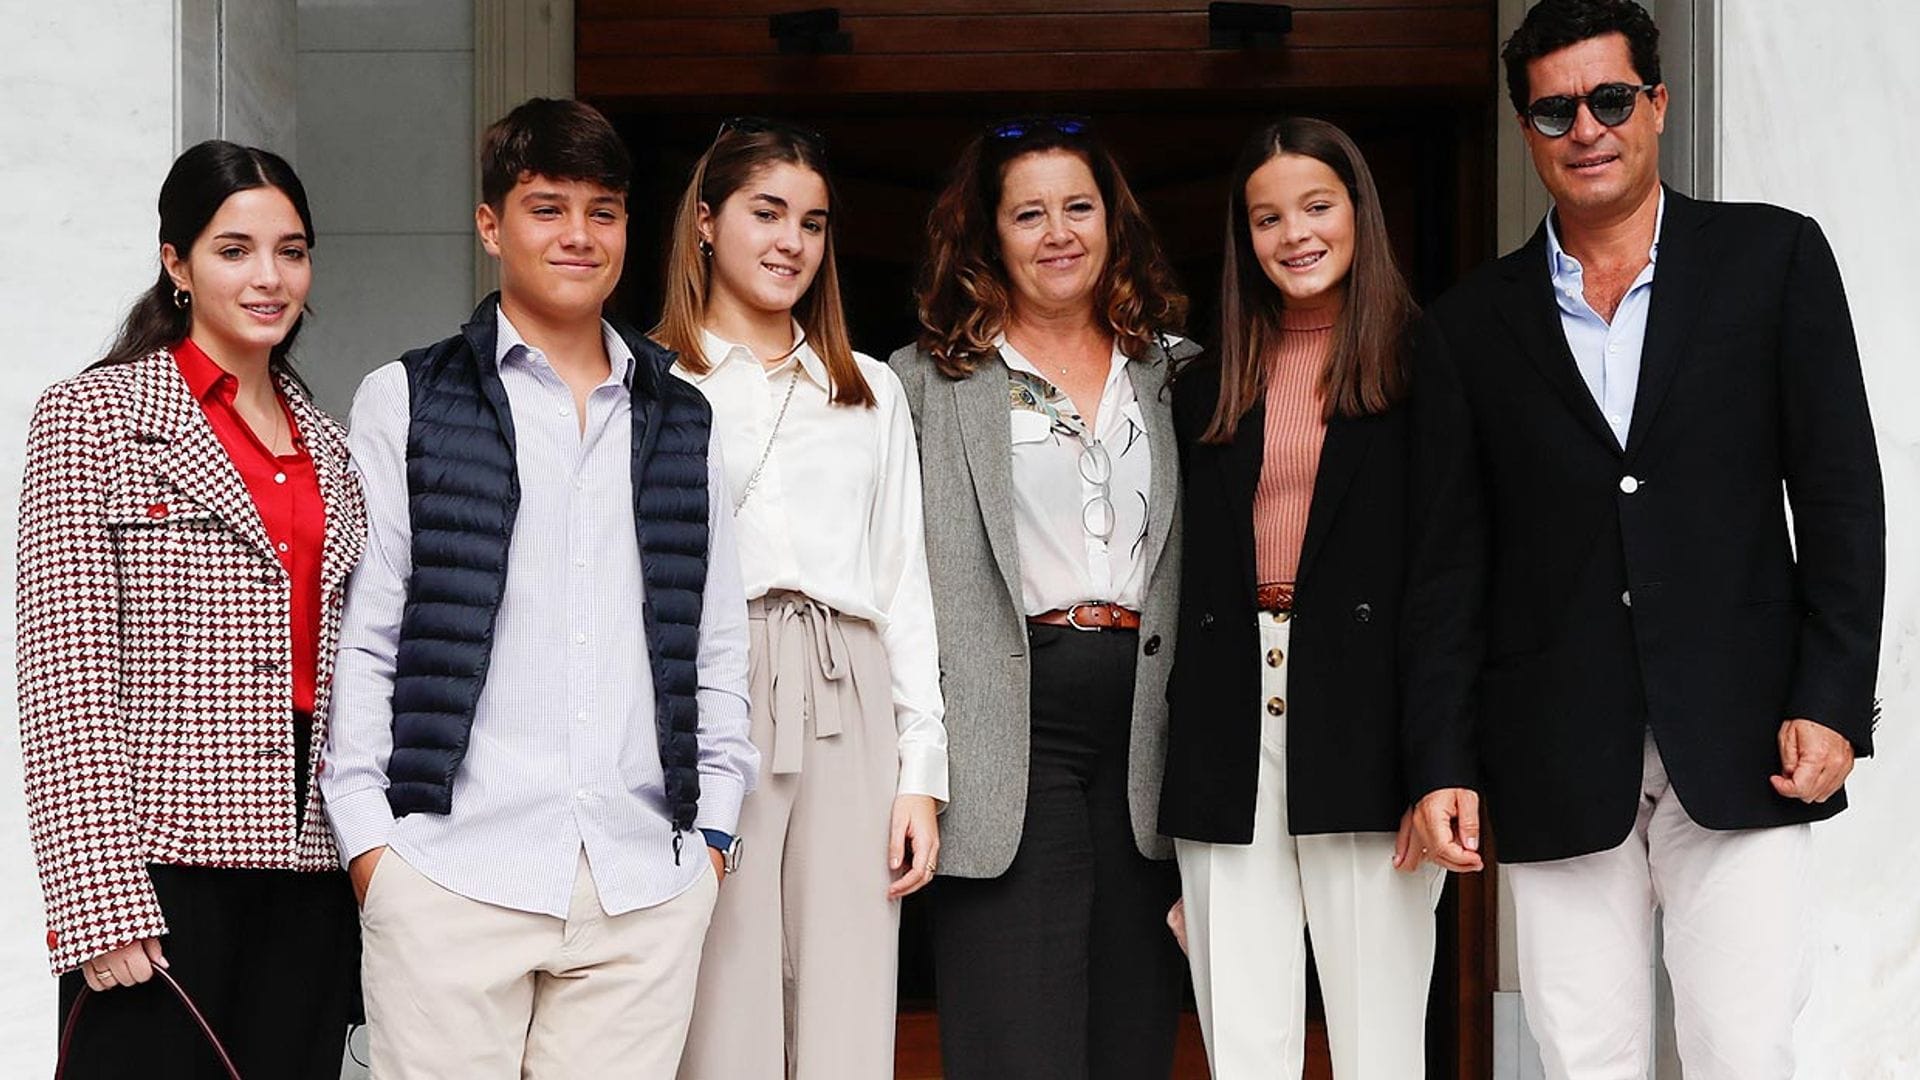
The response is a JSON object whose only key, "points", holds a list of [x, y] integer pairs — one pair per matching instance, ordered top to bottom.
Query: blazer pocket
{"points": [[138, 505]]}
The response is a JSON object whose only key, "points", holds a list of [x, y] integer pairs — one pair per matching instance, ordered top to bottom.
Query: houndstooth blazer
{"points": [[155, 659]]}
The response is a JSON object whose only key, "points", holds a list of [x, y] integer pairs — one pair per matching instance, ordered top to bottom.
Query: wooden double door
{"points": [[1411, 80]]}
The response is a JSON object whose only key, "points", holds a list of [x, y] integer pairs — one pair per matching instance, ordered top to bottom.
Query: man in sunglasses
{"points": [[1619, 640]]}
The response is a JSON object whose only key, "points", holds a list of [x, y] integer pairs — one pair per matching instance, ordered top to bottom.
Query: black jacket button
{"points": [[1363, 613], [1206, 619], [1152, 646]]}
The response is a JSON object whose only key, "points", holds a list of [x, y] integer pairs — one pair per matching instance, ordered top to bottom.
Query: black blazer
{"points": [[1564, 595], [1343, 765]]}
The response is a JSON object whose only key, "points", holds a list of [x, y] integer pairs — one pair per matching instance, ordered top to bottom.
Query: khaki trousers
{"points": [[1736, 907], [1250, 908], [799, 971], [457, 989]]}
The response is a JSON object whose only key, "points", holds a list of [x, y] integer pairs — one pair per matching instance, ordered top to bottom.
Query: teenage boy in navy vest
{"points": [[539, 736]]}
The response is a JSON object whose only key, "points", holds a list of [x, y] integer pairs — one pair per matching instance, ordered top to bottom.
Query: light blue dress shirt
{"points": [[1607, 354], [563, 753]]}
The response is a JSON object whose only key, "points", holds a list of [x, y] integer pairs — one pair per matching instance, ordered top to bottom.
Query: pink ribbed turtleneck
{"points": [[1295, 428]]}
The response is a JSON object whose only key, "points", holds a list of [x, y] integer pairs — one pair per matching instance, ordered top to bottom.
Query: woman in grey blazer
{"points": [[1049, 471]]}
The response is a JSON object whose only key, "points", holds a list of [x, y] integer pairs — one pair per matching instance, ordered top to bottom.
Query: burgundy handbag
{"points": [[80, 1002]]}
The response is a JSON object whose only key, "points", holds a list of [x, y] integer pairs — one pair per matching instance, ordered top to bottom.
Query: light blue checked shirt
{"points": [[1608, 354], [563, 753]]}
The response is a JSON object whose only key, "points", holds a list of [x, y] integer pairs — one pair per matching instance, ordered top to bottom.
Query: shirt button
{"points": [[1614, 419], [279, 478], [1629, 484], [281, 546], [580, 563], [579, 639], [1274, 657], [1276, 706], [580, 717], [582, 795]]}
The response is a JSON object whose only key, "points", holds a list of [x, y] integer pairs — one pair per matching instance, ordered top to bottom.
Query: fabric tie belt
{"points": [[812, 670]]}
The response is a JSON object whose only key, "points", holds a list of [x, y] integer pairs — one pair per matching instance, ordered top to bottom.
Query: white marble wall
{"points": [[99, 95], [1817, 106], [89, 123], [386, 152]]}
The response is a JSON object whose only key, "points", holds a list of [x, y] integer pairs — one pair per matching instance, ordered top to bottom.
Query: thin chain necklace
{"points": [[746, 492]]}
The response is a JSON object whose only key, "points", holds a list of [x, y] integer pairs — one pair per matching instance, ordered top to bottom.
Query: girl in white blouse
{"points": [[799, 969]]}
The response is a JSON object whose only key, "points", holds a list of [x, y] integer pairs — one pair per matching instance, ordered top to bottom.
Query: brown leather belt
{"points": [[1276, 598], [1091, 617]]}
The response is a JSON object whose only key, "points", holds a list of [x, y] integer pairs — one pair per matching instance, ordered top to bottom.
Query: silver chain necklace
{"points": [[793, 380]]}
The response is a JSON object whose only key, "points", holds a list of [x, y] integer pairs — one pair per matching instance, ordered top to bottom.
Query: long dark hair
{"points": [[738, 153], [200, 181], [964, 293], [1366, 371]]}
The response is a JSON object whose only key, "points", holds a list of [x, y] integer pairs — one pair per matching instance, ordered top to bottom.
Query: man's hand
{"points": [[1814, 761], [916, 823], [1446, 823], [1406, 845], [719, 862], [360, 872], [1177, 922], [124, 966]]}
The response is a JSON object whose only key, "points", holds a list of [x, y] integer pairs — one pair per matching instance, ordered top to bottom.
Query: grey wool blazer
{"points": [[966, 470]]}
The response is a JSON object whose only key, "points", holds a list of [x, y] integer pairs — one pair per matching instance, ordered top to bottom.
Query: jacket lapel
{"points": [[1678, 280], [1530, 310], [986, 436], [188, 455], [1341, 456], [1163, 467], [345, 529]]}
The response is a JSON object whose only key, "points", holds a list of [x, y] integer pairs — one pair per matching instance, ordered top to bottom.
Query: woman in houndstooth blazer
{"points": [[187, 524]]}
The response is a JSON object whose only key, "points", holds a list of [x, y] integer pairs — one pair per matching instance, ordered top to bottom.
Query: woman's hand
{"points": [[916, 823], [1406, 845], [1177, 922], [124, 966]]}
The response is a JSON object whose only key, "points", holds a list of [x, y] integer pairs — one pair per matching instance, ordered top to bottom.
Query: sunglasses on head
{"points": [[1610, 103], [755, 125], [1022, 126]]}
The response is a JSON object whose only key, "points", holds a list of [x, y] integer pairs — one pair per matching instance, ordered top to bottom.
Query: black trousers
{"points": [[272, 957], [1063, 967]]}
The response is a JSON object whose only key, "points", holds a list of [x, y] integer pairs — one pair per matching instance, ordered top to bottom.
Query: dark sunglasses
{"points": [[1610, 103], [755, 125], [1022, 126]]}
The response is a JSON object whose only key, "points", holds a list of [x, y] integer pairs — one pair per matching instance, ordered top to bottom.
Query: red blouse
{"points": [[285, 490]]}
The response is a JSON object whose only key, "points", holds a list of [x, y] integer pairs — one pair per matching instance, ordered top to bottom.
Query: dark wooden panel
{"points": [[608, 9], [889, 34], [600, 77]]}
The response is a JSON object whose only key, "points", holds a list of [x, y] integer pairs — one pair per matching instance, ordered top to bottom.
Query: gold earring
{"points": [[182, 298]]}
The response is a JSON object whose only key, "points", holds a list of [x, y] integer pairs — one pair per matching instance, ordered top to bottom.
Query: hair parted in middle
{"points": [[738, 154], [964, 294], [1366, 370]]}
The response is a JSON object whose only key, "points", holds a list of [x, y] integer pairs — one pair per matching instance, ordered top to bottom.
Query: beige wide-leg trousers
{"points": [[1736, 906], [1249, 908], [798, 975], [457, 989]]}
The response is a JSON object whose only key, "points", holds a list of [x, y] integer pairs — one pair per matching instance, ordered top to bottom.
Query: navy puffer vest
{"points": [[462, 494]]}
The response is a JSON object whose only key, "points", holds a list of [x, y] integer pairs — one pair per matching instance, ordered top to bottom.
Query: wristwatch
{"points": [[728, 845]]}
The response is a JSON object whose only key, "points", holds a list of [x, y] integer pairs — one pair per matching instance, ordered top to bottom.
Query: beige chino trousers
{"points": [[798, 975], [457, 989]]}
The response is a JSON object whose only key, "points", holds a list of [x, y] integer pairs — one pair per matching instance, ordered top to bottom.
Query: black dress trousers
{"points": [[272, 957], [1063, 968]]}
